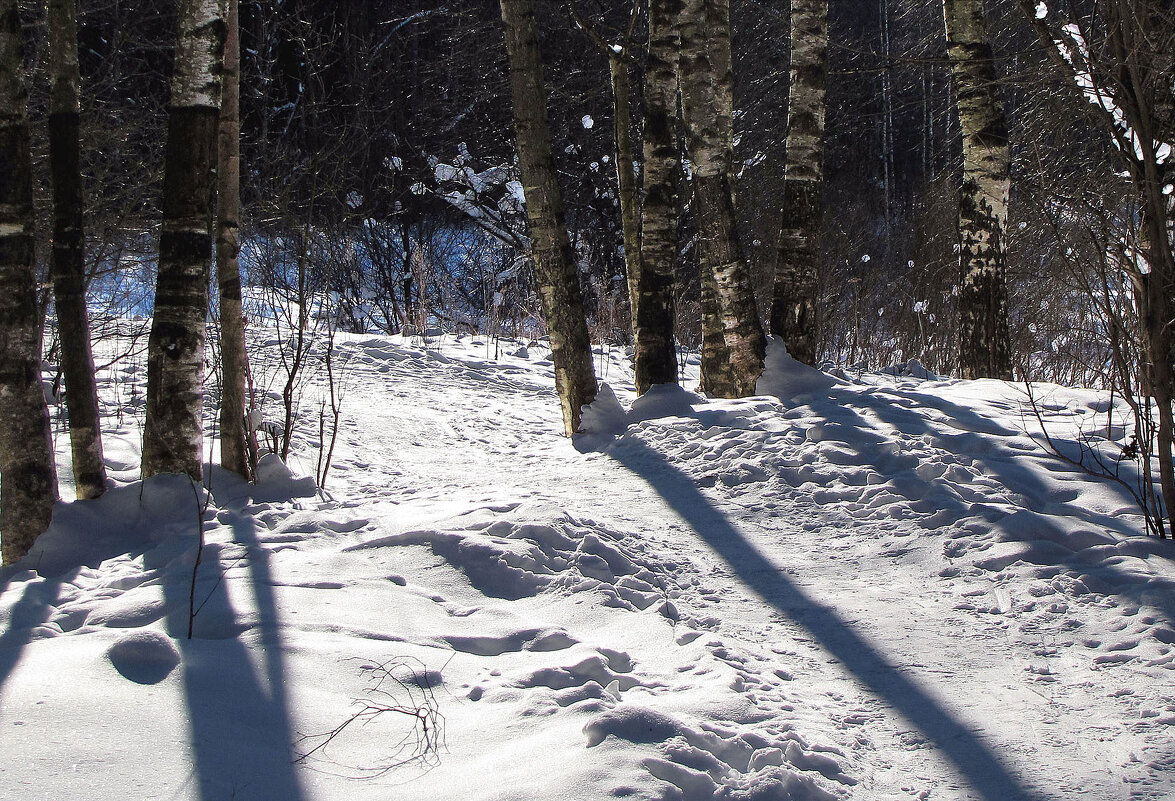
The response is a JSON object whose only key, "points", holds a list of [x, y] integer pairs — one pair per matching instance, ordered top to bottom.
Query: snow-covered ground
{"points": [[865, 587]]}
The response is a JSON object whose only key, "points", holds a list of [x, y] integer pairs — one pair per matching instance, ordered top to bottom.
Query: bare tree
{"points": [[1120, 55], [69, 258], [649, 264], [558, 278], [793, 308], [730, 316], [984, 347], [656, 357], [233, 433], [172, 434], [28, 480]]}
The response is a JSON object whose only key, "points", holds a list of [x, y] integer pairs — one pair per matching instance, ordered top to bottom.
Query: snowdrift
{"points": [[870, 587]]}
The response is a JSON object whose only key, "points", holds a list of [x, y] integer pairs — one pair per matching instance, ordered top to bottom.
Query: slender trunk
{"points": [[707, 94], [887, 166], [630, 213], [69, 261], [556, 272], [793, 308], [1156, 308], [984, 347], [656, 357], [233, 431], [172, 434], [28, 480]]}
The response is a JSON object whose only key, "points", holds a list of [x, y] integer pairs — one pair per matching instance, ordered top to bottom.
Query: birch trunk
{"points": [[707, 98], [68, 261], [556, 273], [793, 307], [984, 348], [656, 356], [172, 434], [233, 447], [28, 480]]}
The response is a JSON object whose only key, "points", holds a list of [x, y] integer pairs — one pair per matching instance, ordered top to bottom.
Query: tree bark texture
{"points": [[707, 83], [626, 179], [68, 260], [556, 272], [793, 307], [1156, 307], [653, 315], [984, 348], [172, 434], [233, 434], [28, 480]]}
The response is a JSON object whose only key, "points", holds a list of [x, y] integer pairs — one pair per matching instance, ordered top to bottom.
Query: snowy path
{"points": [[880, 590], [948, 699]]}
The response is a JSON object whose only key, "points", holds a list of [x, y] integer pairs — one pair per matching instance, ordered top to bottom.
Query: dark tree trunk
{"points": [[707, 97], [630, 212], [69, 261], [556, 273], [793, 305], [793, 308], [1156, 312], [984, 347], [656, 355], [716, 374], [172, 434], [234, 450], [28, 480]]}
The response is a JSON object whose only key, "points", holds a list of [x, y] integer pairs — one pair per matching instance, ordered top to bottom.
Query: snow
{"points": [[875, 586]]}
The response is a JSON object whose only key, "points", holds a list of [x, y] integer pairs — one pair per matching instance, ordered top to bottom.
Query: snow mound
{"points": [[910, 369], [787, 379], [665, 400], [605, 415], [276, 481], [128, 518], [525, 556], [144, 657], [706, 765]]}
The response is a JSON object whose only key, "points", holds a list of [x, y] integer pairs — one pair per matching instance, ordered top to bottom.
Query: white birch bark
{"points": [[984, 347], [173, 434], [28, 480]]}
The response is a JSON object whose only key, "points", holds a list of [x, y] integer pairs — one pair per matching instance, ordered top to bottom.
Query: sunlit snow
{"points": [[868, 585]]}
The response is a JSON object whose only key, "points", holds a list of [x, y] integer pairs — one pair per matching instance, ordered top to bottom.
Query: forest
{"points": [[429, 281]]}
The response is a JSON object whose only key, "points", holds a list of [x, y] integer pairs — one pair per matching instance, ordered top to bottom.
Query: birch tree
{"points": [[68, 260], [555, 269], [793, 307], [733, 342], [984, 347], [656, 356], [172, 434], [233, 435], [28, 480]]}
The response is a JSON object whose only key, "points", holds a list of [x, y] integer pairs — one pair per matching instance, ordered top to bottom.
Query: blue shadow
{"points": [[239, 723], [963, 746]]}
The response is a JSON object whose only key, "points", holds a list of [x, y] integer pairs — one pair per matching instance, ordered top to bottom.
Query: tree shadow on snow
{"points": [[1022, 475], [35, 607], [238, 712], [991, 778]]}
